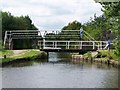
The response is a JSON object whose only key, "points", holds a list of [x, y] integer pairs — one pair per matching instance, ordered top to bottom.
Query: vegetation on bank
{"points": [[6, 52], [28, 54], [103, 54], [109, 55], [99, 57]]}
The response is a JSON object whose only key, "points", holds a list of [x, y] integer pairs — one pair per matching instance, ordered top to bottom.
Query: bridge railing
{"points": [[25, 34], [67, 39], [50, 44]]}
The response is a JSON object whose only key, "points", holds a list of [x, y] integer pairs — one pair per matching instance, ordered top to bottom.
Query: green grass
{"points": [[6, 52], [28, 54], [88, 54], [106, 54]]}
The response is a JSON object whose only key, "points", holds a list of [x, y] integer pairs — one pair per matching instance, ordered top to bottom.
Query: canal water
{"points": [[60, 73]]}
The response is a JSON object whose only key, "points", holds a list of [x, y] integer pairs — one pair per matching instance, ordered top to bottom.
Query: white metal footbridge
{"points": [[53, 40]]}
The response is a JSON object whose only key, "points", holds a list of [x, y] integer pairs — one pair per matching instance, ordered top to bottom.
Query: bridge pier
{"points": [[47, 54]]}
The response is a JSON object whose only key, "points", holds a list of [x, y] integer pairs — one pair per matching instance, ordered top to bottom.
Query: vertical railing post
{"points": [[5, 38], [9, 40], [43, 42], [9, 44], [39, 44], [55, 44], [68, 44], [81, 45], [93, 45], [101, 45], [98, 46]]}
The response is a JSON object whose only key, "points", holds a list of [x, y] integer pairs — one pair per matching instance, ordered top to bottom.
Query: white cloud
{"points": [[53, 14]]}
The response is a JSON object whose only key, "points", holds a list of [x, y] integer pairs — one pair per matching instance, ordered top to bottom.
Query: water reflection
{"points": [[60, 75]]}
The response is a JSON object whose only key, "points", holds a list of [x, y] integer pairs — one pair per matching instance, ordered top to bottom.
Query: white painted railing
{"points": [[63, 44], [71, 44]]}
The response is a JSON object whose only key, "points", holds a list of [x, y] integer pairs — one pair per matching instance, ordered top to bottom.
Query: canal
{"points": [[60, 73]]}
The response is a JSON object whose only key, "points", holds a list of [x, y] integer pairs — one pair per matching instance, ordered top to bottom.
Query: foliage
{"points": [[112, 12], [10, 22], [75, 25], [103, 27], [98, 28], [68, 32], [6, 52], [106, 53]]}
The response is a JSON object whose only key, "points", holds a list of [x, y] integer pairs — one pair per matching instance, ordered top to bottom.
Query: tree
{"points": [[112, 12], [10, 22], [71, 35]]}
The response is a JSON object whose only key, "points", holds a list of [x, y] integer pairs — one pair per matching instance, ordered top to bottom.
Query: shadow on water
{"points": [[59, 57], [23, 63]]}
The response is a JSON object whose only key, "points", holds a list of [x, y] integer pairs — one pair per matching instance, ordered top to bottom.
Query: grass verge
{"points": [[30, 54], [107, 54]]}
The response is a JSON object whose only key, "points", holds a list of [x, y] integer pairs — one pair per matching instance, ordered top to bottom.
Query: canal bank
{"points": [[20, 56], [101, 56]]}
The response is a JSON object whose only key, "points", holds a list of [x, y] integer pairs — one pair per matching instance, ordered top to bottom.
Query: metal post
{"points": [[5, 38], [10, 40], [43, 42], [9, 44], [39, 44], [53, 44], [56, 44], [68, 44], [81, 45], [93, 45], [101, 45], [98, 46]]}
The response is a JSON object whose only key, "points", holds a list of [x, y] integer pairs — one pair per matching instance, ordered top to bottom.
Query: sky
{"points": [[53, 14]]}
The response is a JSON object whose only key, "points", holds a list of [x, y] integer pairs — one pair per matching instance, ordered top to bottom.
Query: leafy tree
{"points": [[112, 12], [10, 22], [75, 25], [98, 28], [67, 34]]}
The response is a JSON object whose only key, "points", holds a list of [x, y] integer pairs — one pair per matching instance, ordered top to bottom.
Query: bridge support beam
{"points": [[47, 56]]}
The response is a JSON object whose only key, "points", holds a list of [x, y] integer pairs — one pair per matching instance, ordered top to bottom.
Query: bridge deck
{"points": [[68, 50]]}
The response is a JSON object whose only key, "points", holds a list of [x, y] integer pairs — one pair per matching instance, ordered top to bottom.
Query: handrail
{"points": [[22, 34], [71, 41], [68, 44]]}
